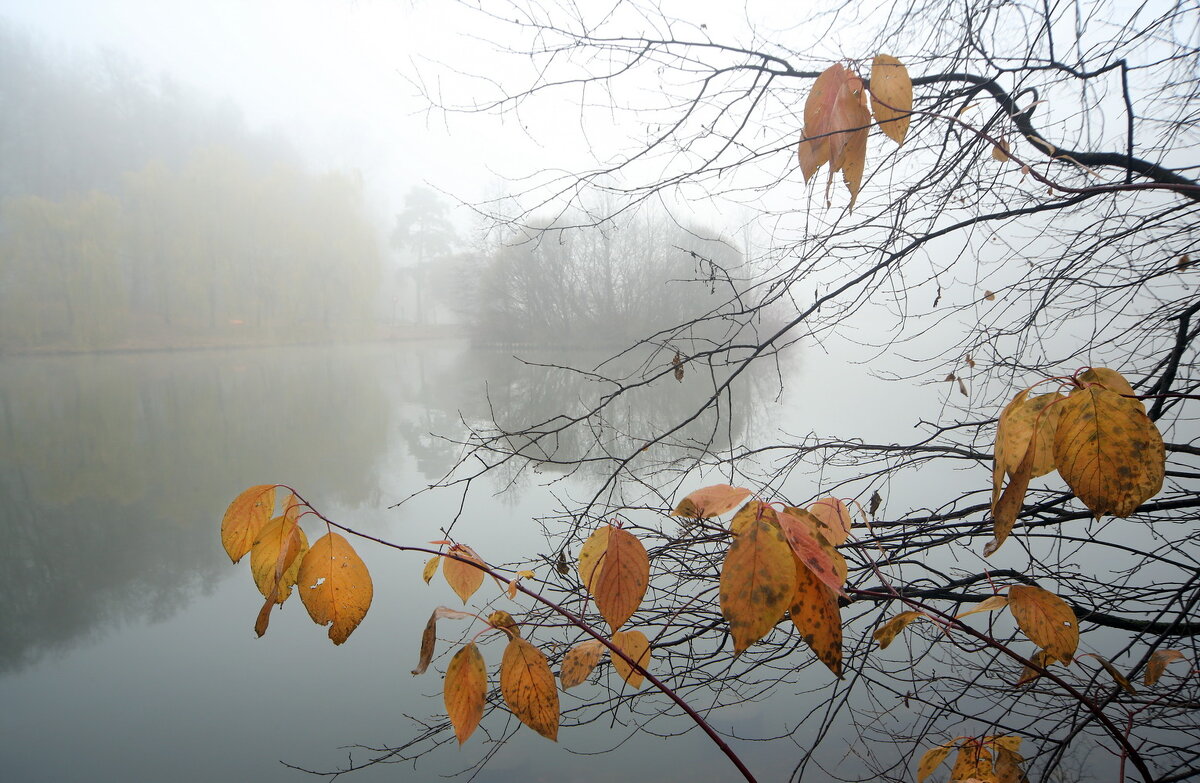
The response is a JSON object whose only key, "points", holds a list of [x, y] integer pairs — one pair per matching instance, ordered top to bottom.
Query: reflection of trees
{"points": [[519, 393], [112, 471]]}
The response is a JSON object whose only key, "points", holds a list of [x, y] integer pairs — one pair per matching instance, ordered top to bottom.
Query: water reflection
{"points": [[115, 469]]}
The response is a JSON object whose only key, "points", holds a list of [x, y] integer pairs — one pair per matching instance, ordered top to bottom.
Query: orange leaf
{"points": [[891, 96], [1108, 451], [710, 501], [753, 510], [246, 515], [834, 518], [800, 528], [463, 578], [758, 581], [621, 582], [335, 586], [816, 615], [1045, 619], [887, 632], [636, 646], [579, 661], [1158, 664], [527, 685], [465, 690]]}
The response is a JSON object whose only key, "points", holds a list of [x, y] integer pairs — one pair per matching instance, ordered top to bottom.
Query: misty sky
{"points": [[335, 77]]}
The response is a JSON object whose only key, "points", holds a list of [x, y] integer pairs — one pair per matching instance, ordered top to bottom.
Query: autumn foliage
{"points": [[781, 564]]}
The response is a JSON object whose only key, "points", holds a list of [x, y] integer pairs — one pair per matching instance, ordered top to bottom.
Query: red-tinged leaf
{"points": [[891, 96], [835, 128], [1108, 451], [710, 501], [245, 517], [834, 518], [800, 529], [275, 557], [591, 558], [431, 567], [463, 578], [758, 580], [621, 583], [335, 586], [986, 605], [815, 613], [1045, 619], [887, 632], [429, 635], [636, 646], [579, 662], [1158, 664], [527, 685], [465, 691], [932, 759]]}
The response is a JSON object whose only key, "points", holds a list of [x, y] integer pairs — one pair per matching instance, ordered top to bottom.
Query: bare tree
{"points": [[1040, 218]]}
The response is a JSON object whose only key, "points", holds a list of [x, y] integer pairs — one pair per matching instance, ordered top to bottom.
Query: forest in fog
{"points": [[137, 213]]}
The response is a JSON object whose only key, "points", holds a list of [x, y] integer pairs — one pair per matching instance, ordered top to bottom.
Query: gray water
{"points": [[126, 643]]}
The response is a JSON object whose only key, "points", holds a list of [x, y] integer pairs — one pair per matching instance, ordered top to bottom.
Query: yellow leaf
{"points": [[891, 96], [835, 128], [1000, 151], [1109, 379], [1021, 420], [1108, 451], [710, 501], [1006, 509], [753, 510], [246, 515], [834, 518], [801, 530], [275, 557], [591, 557], [431, 566], [463, 578], [758, 581], [621, 583], [335, 586], [986, 605], [815, 613], [1045, 619], [504, 621], [887, 632], [636, 646], [1041, 658], [579, 661], [1158, 664], [1118, 678], [527, 685], [465, 690], [1009, 742], [932, 759], [973, 761], [1008, 766]]}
